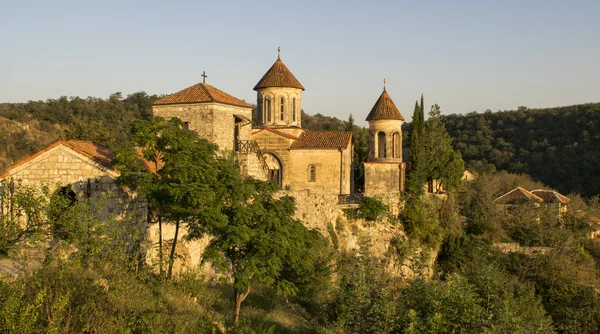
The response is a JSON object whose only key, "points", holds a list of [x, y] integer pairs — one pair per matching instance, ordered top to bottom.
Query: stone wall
{"points": [[213, 121], [278, 146], [250, 165], [63, 167], [332, 171], [384, 177], [507, 248], [188, 253]]}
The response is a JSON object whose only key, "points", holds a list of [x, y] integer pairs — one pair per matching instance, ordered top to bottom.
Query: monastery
{"points": [[268, 142], [271, 143]]}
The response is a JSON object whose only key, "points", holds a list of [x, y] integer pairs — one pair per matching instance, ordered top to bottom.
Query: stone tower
{"points": [[279, 97], [385, 130], [384, 170]]}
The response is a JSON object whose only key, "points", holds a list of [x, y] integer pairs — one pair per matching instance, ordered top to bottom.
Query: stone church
{"points": [[270, 143]]}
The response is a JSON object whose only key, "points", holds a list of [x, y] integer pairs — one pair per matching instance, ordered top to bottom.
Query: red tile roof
{"points": [[278, 76], [202, 93], [384, 108], [323, 140], [98, 153], [517, 194], [550, 196]]}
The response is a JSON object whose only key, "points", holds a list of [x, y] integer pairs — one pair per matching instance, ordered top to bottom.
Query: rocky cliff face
{"points": [[385, 239]]}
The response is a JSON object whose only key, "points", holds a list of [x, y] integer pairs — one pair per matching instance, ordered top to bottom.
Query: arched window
{"points": [[268, 108], [282, 109], [294, 109], [396, 145], [381, 149], [312, 173]]}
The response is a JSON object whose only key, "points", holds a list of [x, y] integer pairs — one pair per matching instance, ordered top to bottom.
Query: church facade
{"points": [[269, 142]]}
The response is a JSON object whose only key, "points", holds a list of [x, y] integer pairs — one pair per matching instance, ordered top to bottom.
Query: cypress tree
{"points": [[415, 178]]}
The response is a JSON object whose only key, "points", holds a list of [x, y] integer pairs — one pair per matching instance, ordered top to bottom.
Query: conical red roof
{"points": [[278, 76], [384, 108]]}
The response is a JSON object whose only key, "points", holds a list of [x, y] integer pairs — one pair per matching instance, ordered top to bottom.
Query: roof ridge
{"points": [[201, 93], [210, 96], [68, 144]]}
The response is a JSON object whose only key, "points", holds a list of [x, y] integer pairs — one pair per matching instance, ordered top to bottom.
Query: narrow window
{"points": [[268, 108], [294, 110], [281, 112], [186, 125], [396, 142], [381, 149], [312, 173]]}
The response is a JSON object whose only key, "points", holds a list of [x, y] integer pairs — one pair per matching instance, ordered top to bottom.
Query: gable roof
{"points": [[278, 76], [201, 93], [384, 108], [277, 132], [323, 140], [95, 152], [517, 194], [551, 196]]}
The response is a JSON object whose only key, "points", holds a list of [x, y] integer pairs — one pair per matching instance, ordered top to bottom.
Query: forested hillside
{"points": [[26, 128], [558, 146], [284, 277]]}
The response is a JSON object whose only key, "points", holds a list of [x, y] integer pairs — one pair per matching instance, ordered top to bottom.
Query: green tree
{"points": [[359, 137], [440, 161], [179, 176], [416, 178], [258, 240], [450, 306]]}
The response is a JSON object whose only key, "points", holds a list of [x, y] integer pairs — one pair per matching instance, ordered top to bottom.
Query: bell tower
{"points": [[279, 97], [385, 129], [384, 169]]}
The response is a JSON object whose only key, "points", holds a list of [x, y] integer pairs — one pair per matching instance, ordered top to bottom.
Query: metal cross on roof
{"points": [[204, 76]]}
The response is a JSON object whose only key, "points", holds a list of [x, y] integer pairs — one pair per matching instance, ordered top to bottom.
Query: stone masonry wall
{"points": [[213, 121], [269, 142], [61, 166], [328, 171], [382, 177]]}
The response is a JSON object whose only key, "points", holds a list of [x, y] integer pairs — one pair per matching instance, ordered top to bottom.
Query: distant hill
{"points": [[557, 146]]}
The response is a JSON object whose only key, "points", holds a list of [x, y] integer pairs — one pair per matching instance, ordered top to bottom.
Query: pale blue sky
{"points": [[464, 55]]}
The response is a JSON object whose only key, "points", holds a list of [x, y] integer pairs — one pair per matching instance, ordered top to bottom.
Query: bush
{"points": [[371, 208], [421, 222]]}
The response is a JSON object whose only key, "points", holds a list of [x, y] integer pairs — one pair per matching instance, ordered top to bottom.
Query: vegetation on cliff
{"points": [[289, 278]]}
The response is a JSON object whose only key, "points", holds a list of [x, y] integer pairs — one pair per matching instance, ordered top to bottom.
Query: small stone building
{"points": [[80, 168], [548, 199]]}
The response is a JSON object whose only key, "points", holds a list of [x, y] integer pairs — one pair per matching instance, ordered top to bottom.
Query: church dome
{"points": [[278, 76], [384, 108]]}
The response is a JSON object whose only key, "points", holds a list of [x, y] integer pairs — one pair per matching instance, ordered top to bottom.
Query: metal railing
{"points": [[251, 146], [350, 199]]}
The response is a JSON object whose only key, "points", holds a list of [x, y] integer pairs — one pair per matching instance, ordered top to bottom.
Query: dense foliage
{"points": [[26, 128], [557, 146], [93, 278]]}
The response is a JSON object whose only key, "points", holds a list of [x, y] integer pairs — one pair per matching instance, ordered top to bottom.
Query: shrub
{"points": [[371, 208]]}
